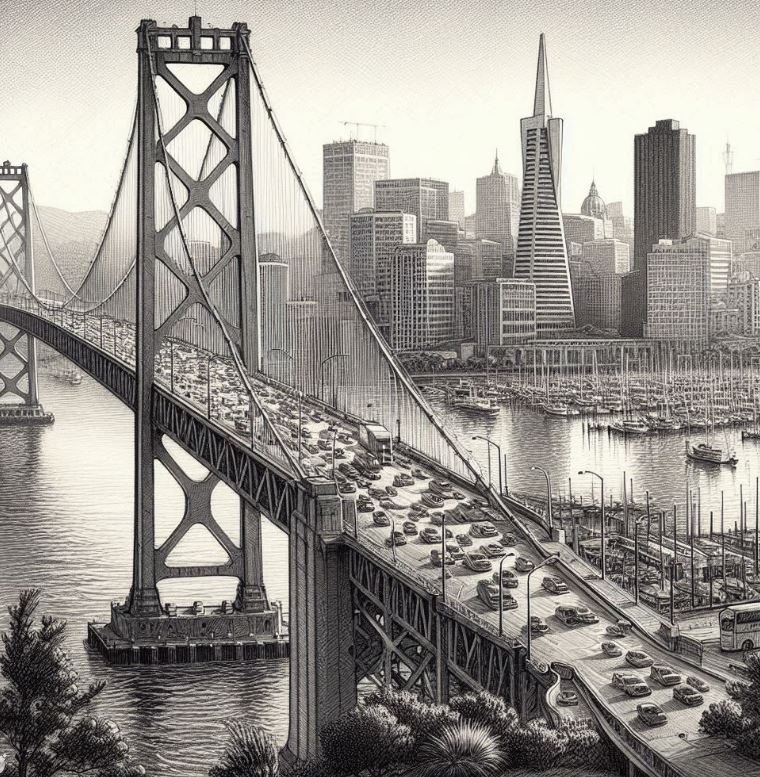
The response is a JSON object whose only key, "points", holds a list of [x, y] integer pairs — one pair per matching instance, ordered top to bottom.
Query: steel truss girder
{"points": [[263, 484]]}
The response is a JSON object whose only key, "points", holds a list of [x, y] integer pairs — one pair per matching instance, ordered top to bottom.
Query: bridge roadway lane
{"points": [[579, 646]]}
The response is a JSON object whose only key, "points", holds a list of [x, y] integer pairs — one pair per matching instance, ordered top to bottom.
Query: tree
{"points": [[42, 708], [723, 718], [367, 738], [463, 749], [250, 752]]}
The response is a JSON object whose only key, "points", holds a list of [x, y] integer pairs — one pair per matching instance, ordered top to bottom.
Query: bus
{"points": [[740, 626]]}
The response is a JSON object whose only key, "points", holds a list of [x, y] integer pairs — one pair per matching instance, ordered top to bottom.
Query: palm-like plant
{"points": [[461, 750], [250, 752]]}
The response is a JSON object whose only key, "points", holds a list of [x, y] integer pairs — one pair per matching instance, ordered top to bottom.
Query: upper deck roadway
{"points": [[686, 751]]}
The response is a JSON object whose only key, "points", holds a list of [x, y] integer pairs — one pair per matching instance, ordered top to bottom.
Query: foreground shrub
{"points": [[488, 710], [722, 719], [367, 738], [536, 746], [463, 749], [250, 752]]}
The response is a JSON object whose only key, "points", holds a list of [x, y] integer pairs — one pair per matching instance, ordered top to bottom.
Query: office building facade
{"points": [[349, 171], [742, 192], [426, 198], [456, 207], [498, 207], [707, 221], [541, 255], [606, 256], [422, 296]]}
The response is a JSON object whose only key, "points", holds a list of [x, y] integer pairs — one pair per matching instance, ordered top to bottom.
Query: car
{"points": [[311, 448], [340, 453], [419, 474], [401, 480], [362, 482], [441, 487], [347, 488], [391, 491], [377, 493], [457, 495], [431, 500], [386, 504], [365, 507], [419, 509], [413, 517], [380, 518], [437, 518], [408, 527], [485, 529], [449, 534], [430, 535], [395, 538], [508, 539], [464, 540], [493, 549], [454, 551], [435, 558], [476, 562], [523, 564], [508, 579], [554, 585], [490, 595], [566, 615], [585, 616], [538, 625], [613, 630], [611, 649], [638, 658], [665, 675], [697, 683], [630, 684], [688, 695], [567, 699], [651, 714]]}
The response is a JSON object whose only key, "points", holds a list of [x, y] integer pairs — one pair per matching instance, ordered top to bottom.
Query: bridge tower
{"points": [[167, 54], [19, 398]]}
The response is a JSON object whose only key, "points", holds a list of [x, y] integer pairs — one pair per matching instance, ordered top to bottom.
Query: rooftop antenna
{"points": [[357, 124], [728, 159]]}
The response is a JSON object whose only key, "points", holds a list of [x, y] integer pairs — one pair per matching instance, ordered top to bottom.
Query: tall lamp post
{"points": [[322, 373], [498, 459], [548, 495], [636, 525], [604, 554], [548, 560], [501, 591]]}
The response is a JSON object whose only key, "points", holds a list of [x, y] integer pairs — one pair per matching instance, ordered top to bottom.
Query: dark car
{"points": [[365, 507], [380, 518], [408, 527], [485, 529], [430, 535], [396, 538], [508, 539], [464, 540], [454, 551], [435, 558], [523, 564], [508, 579], [554, 585], [488, 593], [665, 675], [630, 684], [688, 695], [567, 699], [651, 714]]}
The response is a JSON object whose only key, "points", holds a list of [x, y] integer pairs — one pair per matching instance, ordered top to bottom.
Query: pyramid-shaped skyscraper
{"points": [[541, 252]]}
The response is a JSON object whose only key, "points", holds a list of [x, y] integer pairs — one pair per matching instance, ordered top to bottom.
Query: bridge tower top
{"points": [[194, 40]]}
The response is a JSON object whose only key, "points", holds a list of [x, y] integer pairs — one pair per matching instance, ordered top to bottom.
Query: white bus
{"points": [[740, 627]]}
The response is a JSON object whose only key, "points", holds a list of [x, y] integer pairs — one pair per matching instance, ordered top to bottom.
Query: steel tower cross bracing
{"points": [[187, 239], [18, 364]]}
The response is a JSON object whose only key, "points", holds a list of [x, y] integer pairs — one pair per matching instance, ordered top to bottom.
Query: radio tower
{"points": [[728, 159]]}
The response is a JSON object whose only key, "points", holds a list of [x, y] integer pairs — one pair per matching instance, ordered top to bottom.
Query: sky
{"points": [[449, 79]]}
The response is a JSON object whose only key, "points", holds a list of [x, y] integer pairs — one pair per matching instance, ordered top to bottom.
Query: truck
{"points": [[377, 440]]}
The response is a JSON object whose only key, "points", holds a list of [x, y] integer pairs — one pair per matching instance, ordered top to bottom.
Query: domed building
{"points": [[594, 205]]}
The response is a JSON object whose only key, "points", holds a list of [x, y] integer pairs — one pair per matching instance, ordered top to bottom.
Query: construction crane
{"points": [[357, 124]]}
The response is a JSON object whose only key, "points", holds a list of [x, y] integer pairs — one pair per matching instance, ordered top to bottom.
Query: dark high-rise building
{"points": [[426, 198], [665, 206]]}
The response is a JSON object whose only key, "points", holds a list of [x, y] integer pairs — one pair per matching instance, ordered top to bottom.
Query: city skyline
{"points": [[472, 98]]}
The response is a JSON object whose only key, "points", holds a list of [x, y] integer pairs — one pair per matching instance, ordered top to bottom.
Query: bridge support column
{"points": [[252, 595], [322, 675]]}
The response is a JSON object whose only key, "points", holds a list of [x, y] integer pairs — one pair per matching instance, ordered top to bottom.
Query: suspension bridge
{"points": [[215, 308]]}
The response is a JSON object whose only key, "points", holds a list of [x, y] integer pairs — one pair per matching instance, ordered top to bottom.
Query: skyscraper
{"points": [[350, 169], [664, 174], [426, 198], [497, 207], [742, 207], [456, 208], [707, 223], [541, 252], [422, 297]]}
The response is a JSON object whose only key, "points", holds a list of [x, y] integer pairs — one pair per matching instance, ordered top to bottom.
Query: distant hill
{"points": [[73, 240]]}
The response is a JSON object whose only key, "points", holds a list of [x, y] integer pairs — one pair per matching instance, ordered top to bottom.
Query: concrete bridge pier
{"points": [[252, 595], [322, 667]]}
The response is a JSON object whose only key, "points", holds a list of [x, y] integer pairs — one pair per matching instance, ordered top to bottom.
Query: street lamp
{"points": [[322, 374], [498, 459], [548, 495], [636, 525], [603, 554], [548, 560], [501, 592]]}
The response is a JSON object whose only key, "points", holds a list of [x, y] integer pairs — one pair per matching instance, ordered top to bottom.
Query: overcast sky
{"points": [[451, 81]]}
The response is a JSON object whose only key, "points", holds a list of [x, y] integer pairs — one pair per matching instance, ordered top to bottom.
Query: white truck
{"points": [[377, 440]]}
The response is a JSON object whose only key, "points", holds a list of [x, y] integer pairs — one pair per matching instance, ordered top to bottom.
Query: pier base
{"points": [[24, 415], [188, 636]]}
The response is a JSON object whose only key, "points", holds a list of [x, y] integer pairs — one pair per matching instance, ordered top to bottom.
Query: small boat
{"points": [[69, 374], [477, 405], [559, 410], [629, 426], [750, 434], [709, 454]]}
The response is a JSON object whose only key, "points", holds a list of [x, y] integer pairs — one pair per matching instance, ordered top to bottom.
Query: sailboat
{"points": [[707, 453]]}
